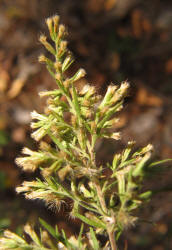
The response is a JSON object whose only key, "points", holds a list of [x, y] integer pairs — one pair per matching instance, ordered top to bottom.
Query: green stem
{"points": [[110, 231]]}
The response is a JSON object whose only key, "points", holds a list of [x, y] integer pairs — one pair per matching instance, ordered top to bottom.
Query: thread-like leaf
{"points": [[94, 239]]}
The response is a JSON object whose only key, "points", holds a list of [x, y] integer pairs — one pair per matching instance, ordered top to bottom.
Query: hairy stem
{"points": [[110, 232], [111, 235]]}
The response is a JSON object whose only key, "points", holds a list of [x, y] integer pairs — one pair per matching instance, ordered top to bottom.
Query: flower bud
{"points": [[56, 22], [49, 23], [61, 31], [43, 39], [62, 48], [42, 59], [67, 62], [58, 66], [79, 74], [58, 76], [67, 83], [124, 87], [85, 89], [108, 96], [36, 116], [38, 134], [116, 136], [27, 151]]}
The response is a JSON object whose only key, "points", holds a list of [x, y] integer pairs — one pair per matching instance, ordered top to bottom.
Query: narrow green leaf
{"points": [[66, 64], [50, 71], [76, 103], [108, 114], [59, 144], [126, 154], [116, 160], [159, 162], [125, 163], [139, 167], [121, 183], [146, 195], [90, 222], [49, 228], [53, 232], [118, 234], [80, 235], [94, 239]]}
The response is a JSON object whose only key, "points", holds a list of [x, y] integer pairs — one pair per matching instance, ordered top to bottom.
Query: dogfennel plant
{"points": [[104, 198]]}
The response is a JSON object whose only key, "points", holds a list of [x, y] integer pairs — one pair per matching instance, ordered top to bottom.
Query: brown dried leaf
{"points": [[109, 4], [95, 5], [136, 23], [115, 61], [168, 66], [4, 79], [16, 88], [148, 99]]}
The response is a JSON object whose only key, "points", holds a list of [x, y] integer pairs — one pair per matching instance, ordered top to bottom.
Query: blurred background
{"points": [[114, 40]]}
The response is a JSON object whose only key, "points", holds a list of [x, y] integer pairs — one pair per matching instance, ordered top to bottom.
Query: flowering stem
{"points": [[110, 232]]}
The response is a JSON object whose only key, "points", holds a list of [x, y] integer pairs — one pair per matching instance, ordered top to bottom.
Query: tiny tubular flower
{"points": [[49, 22], [56, 22], [61, 30], [43, 39], [63, 45], [42, 59], [66, 63], [58, 66], [79, 74], [58, 76], [67, 83], [123, 88], [85, 89], [111, 89], [89, 91], [44, 93], [108, 96], [119, 108], [36, 116], [110, 123], [38, 134], [116, 136], [131, 143], [44, 146], [149, 147], [145, 150], [27, 151], [26, 164], [46, 172], [30, 183], [22, 189], [36, 195], [29, 230], [9, 234], [46, 239], [10, 240], [60, 245]]}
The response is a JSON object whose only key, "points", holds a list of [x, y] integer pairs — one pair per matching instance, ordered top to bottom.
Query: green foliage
{"points": [[74, 119], [4, 138], [3, 180], [4, 223]]}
